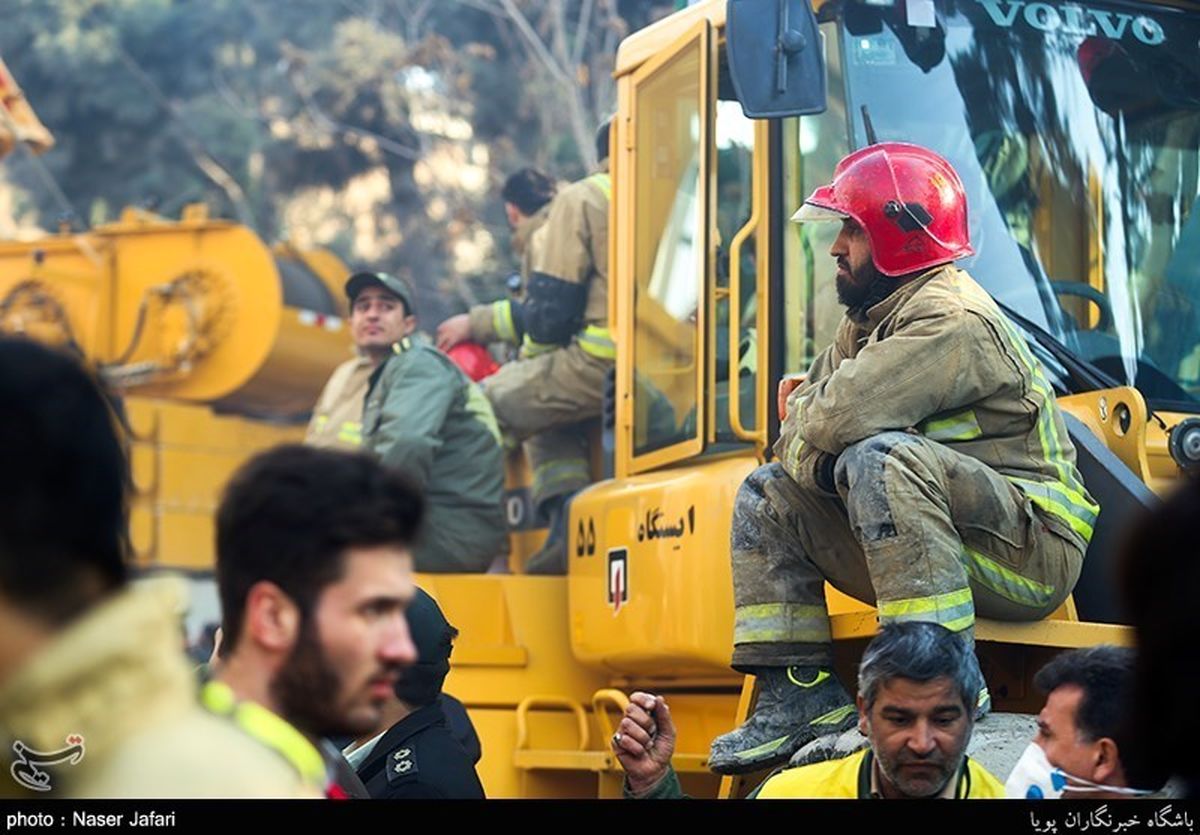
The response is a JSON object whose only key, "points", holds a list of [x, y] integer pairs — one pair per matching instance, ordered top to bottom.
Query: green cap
{"points": [[358, 282]]}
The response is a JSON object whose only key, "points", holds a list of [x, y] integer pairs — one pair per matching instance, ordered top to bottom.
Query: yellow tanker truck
{"points": [[1082, 184]]}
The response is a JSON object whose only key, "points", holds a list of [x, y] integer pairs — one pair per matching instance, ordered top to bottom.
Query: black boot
{"points": [[551, 558], [795, 706]]}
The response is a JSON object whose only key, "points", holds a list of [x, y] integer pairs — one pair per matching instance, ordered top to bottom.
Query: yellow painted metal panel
{"points": [[653, 40], [58, 296], [191, 310], [305, 351], [142, 418], [1144, 446], [181, 457], [192, 479], [143, 532], [667, 535], [185, 539], [506, 615], [1047, 633], [497, 728], [565, 760]]}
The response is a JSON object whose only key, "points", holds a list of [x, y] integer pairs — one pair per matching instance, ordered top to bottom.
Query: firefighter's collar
{"points": [[879, 311]]}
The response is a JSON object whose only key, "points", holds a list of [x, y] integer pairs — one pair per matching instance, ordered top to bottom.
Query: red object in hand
{"points": [[473, 359], [786, 386]]}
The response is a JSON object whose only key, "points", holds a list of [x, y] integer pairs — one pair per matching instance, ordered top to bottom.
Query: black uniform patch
{"points": [[401, 762]]}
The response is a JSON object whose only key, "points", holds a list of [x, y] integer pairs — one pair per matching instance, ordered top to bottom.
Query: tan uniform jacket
{"points": [[575, 246], [570, 248], [488, 320], [939, 358], [337, 418]]}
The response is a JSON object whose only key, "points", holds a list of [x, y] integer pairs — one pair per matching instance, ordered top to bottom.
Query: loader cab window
{"points": [[811, 148], [698, 208], [669, 252], [734, 333]]}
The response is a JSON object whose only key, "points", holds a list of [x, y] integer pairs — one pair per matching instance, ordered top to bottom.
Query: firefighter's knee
{"points": [[862, 463], [752, 491], [750, 506]]}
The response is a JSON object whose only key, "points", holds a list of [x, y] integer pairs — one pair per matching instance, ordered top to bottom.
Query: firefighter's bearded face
{"points": [[859, 283], [351, 646], [918, 732]]}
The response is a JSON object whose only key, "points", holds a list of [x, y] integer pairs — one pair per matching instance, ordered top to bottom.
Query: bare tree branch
{"points": [[581, 32], [558, 36], [535, 42], [331, 125], [191, 141]]}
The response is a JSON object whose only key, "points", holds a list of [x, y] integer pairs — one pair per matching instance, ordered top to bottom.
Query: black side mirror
{"points": [[776, 57]]}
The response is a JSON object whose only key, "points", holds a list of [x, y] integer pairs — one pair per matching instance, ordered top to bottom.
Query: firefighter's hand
{"points": [[454, 330], [786, 386], [645, 741]]}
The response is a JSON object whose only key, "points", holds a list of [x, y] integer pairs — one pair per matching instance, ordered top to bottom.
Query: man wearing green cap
{"points": [[381, 314], [420, 415]]}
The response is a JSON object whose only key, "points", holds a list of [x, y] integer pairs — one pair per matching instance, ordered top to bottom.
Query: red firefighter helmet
{"points": [[908, 199], [473, 359]]}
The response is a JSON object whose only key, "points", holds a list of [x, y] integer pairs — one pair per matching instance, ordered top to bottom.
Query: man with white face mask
{"points": [[1077, 750]]}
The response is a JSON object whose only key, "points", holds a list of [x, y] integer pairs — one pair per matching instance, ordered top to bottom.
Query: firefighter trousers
{"points": [[549, 402], [919, 530]]}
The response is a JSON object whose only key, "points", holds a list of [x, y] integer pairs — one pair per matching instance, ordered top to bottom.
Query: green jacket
{"points": [[937, 357], [426, 419]]}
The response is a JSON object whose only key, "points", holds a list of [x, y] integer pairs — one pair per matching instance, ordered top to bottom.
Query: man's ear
{"points": [[410, 324], [272, 618], [861, 704], [1106, 765]]}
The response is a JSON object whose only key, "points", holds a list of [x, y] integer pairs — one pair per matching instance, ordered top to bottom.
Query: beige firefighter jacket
{"points": [[575, 246], [571, 247], [493, 322], [937, 357], [337, 418], [118, 678]]}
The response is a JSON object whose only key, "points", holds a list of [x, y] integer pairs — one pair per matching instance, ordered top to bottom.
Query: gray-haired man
{"points": [[917, 686]]}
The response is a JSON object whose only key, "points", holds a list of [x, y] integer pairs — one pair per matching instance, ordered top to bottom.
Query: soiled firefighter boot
{"points": [[551, 558], [795, 706]]}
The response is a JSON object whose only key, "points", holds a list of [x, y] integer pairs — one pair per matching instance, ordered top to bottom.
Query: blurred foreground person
{"points": [[314, 574], [1160, 575], [96, 697]]}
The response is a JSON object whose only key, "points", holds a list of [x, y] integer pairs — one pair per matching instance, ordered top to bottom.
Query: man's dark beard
{"points": [[868, 289], [307, 687]]}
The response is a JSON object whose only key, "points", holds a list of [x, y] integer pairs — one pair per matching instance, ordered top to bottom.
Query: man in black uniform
{"points": [[419, 756]]}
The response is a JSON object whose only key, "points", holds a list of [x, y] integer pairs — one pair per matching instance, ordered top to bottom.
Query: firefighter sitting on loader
{"points": [[922, 465]]}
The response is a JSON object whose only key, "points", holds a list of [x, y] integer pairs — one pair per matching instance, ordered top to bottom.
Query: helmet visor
{"points": [[810, 213]]}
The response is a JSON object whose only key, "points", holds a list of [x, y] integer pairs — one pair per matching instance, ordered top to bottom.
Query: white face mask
{"points": [[1034, 778]]}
